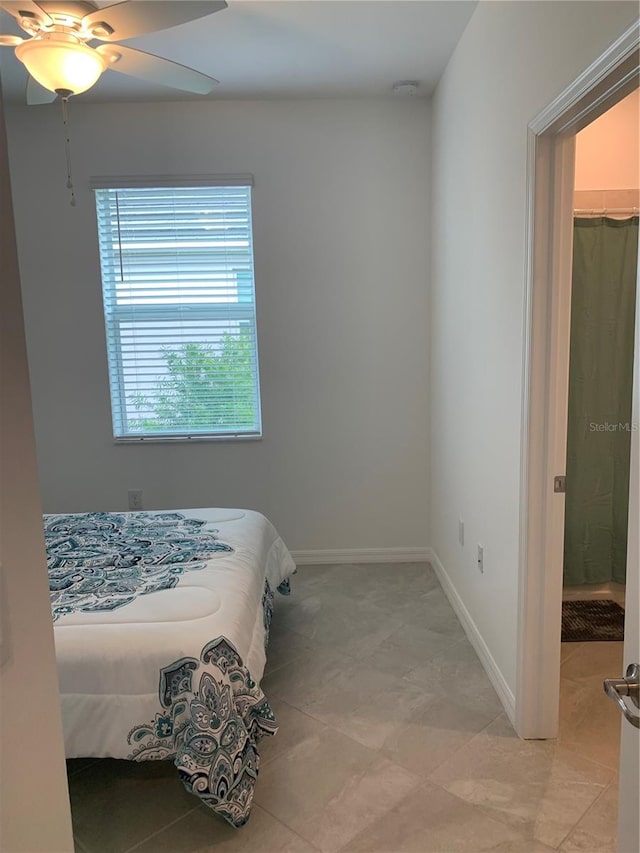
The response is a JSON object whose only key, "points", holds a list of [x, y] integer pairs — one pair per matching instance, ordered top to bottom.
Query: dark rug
{"points": [[592, 621]]}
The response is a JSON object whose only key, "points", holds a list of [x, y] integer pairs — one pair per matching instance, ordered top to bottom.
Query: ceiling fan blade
{"points": [[31, 10], [129, 19], [10, 41], [146, 66], [37, 94]]}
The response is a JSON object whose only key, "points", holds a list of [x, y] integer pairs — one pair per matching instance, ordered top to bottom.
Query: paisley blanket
{"points": [[103, 560], [161, 623], [213, 715]]}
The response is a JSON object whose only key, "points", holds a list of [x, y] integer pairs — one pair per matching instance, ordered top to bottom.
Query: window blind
{"points": [[179, 305]]}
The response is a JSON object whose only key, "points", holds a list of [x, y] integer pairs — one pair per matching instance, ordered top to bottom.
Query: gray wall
{"points": [[512, 60], [341, 210]]}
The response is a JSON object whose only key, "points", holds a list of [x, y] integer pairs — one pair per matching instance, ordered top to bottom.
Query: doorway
{"points": [[552, 137], [603, 293], [601, 346]]}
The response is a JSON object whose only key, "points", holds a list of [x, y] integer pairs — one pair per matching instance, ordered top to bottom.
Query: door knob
{"points": [[629, 686]]}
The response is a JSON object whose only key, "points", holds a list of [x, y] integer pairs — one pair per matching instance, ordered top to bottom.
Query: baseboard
{"points": [[362, 555], [475, 638]]}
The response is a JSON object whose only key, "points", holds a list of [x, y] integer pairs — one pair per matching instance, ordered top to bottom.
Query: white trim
{"points": [[567, 108], [108, 182], [545, 381], [544, 413], [361, 555], [505, 694], [629, 778]]}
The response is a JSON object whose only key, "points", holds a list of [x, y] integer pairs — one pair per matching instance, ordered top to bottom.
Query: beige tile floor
{"points": [[391, 740]]}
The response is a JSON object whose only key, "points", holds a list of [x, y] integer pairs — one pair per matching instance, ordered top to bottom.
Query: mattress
{"points": [[161, 622]]}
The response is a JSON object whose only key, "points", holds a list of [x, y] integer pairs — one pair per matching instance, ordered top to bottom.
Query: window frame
{"points": [[213, 311]]}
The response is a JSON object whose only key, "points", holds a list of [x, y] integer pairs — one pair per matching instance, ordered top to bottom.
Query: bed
{"points": [[161, 621]]}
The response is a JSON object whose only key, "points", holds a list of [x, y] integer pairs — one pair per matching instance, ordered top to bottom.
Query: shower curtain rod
{"points": [[616, 211]]}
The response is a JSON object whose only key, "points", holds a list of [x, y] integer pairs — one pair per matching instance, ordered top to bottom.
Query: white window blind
{"points": [[179, 304]]}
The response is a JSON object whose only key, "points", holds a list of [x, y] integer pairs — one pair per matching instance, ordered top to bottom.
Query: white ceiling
{"points": [[289, 48]]}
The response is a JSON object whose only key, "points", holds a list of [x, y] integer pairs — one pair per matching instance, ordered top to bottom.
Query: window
{"points": [[179, 304]]}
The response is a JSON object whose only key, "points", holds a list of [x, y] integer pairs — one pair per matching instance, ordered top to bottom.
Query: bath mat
{"points": [[592, 621]]}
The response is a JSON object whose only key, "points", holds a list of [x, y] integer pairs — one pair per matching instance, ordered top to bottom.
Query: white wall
{"points": [[512, 60], [341, 205], [34, 800]]}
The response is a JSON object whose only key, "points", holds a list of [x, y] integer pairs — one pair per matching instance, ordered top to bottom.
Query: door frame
{"points": [[549, 246]]}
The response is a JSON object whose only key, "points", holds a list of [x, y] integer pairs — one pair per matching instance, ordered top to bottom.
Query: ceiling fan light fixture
{"points": [[101, 30], [61, 62]]}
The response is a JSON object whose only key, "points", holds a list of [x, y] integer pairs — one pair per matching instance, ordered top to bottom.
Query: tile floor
{"points": [[589, 592], [391, 740]]}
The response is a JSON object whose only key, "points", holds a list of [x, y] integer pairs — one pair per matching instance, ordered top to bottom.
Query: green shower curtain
{"points": [[605, 259]]}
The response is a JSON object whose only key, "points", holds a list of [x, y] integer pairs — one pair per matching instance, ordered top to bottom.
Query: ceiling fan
{"points": [[62, 61]]}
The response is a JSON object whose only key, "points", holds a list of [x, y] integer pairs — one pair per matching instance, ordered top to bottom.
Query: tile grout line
{"points": [[458, 642], [318, 648], [573, 651], [277, 669], [587, 686], [335, 727], [553, 741], [466, 745], [462, 746], [379, 750], [576, 751], [377, 755], [264, 763], [612, 771], [423, 784], [602, 792], [490, 813], [493, 814], [584, 815], [286, 826], [160, 831]]}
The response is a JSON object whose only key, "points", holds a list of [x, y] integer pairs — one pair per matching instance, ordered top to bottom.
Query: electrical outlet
{"points": [[135, 499], [461, 531], [481, 559]]}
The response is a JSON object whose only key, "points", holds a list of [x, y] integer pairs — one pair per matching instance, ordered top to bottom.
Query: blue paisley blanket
{"points": [[161, 624]]}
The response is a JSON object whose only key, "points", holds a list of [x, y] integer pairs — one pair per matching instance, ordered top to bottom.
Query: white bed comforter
{"points": [[160, 630]]}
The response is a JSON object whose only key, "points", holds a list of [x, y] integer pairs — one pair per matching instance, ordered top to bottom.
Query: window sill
{"points": [[184, 439]]}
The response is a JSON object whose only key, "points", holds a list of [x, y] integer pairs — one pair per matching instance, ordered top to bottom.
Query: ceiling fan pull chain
{"points": [[67, 146]]}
